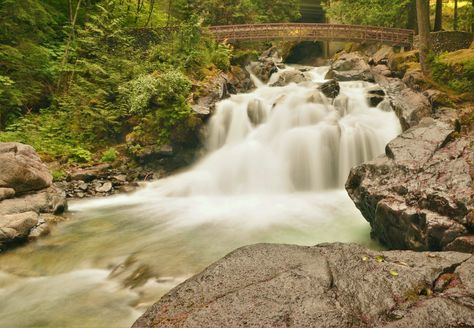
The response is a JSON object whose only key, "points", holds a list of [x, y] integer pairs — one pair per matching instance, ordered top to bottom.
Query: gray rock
{"points": [[383, 55], [350, 67], [383, 70], [290, 76], [330, 89], [410, 107], [22, 169], [90, 173], [105, 188], [6, 193], [419, 196], [51, 200], [16, 227], [40, 230], [329, 285]]}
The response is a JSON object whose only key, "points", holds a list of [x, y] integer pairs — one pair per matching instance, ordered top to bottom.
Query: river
{"points": [[277, 159]]}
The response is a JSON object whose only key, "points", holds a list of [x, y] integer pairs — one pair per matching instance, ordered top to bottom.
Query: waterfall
{"points": [[286, 139]]}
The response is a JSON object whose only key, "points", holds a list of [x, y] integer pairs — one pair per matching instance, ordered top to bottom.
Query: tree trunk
{"points": [[423, 16], [455, 19], [472, 22], [438, 23], [411, 24]]}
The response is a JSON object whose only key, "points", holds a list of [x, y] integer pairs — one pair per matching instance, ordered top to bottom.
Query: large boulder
{"points": [[350, 67], [21, 168], [25, 193], [419, 195], [329, 285]]}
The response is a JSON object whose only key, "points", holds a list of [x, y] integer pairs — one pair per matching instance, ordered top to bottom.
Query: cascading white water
{"points": [[286, 139], [275, 168]]}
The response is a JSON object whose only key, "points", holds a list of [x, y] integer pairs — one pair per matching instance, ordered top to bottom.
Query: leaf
{"points": [[365, 258], [380, 258], [393, 273]]}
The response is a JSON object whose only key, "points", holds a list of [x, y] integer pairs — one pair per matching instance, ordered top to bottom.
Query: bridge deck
{"points": [[313, 31]]}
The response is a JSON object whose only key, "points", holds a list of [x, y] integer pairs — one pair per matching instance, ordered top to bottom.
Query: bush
{"points": [[109, 156]]}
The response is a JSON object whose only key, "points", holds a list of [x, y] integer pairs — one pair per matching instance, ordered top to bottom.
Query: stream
{"points": [[277, 159]]}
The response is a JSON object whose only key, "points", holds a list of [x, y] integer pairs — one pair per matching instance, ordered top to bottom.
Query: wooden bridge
{"points": [[313, 32]]}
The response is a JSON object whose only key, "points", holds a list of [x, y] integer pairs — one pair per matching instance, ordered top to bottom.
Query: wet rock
{"points": [[350, 67], [263, 70], [290, 76], [330, 89], [375, 96], [410, 107], [256, 112], [21, 168], [6, 193], [419, 195], [15, 228], [40, 230], [329, 285]]}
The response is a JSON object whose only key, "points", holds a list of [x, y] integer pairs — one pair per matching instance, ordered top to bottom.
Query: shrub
{"points": [[109, 156]]}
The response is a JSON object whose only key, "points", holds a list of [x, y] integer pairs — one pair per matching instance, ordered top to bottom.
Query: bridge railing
{"points": [[313, 31]]}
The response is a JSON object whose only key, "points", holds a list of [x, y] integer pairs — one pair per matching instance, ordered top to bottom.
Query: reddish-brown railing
{"points": [[313, 32]]}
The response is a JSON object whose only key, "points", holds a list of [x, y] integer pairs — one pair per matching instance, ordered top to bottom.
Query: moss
{"points": [[455, 70]]}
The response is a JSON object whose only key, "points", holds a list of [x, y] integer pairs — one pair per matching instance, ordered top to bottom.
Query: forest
{"points": [[77, 77]]}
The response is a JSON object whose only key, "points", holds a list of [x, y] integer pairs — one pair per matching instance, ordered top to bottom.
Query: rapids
{"points": [[277, 159]]}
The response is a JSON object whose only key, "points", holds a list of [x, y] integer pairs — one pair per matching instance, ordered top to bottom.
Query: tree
{"points": [[393, 13], [423, 16], [455, 19], [411, 22], [438, 23]]}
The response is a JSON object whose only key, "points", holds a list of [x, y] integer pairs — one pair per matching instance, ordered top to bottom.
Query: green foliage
{"points": [[218, 12], [369, 12], [455, 70], [50, 135], [109, 156], [58, 175]]}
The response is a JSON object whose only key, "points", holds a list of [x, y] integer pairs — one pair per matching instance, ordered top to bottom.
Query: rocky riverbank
{"points": [[420, 195], [29, 202], [329, 285]]}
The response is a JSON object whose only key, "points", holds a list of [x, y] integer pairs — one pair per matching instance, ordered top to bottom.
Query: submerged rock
{"points": [[330, 88], [419, 195], [329, 285]]}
